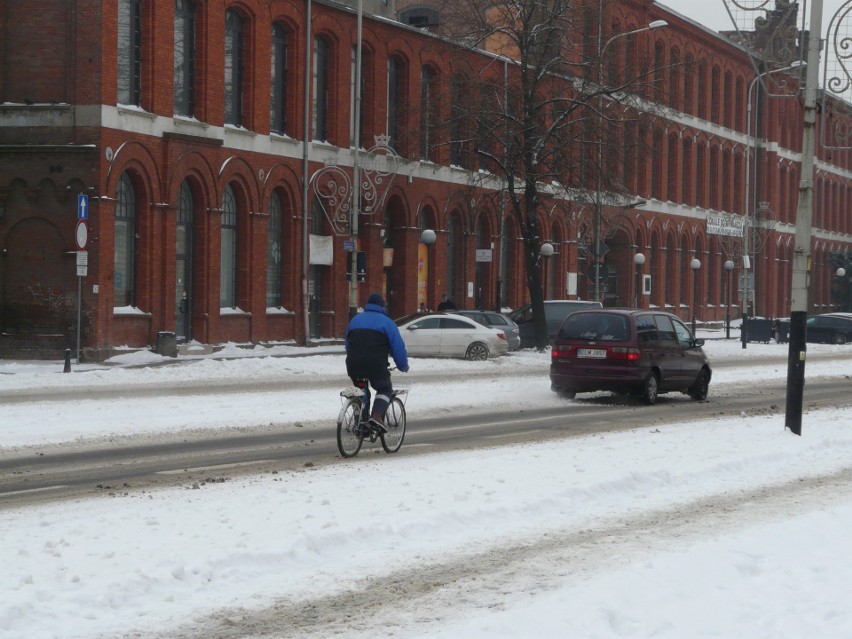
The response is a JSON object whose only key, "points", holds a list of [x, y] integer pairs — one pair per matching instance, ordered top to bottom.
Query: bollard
{"points": [[67, 361]]}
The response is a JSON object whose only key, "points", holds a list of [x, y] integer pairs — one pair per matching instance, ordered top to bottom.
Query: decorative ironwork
{"points": [[772, 37], [836, 132], [379, 168], [333, 186], [763, 220]]}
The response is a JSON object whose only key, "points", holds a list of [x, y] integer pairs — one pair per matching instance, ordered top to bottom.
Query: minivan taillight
{"points": [[561, 351], [624, 353]]}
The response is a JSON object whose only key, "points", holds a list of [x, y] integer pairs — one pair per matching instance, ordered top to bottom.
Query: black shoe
{"points": [[377, 426], [361, 430]]}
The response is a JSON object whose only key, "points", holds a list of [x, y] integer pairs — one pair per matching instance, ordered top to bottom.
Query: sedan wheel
{"points": [[839, 338], [477, 352]]}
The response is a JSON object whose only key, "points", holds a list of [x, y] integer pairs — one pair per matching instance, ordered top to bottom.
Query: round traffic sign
{"points": [[81, 234]]}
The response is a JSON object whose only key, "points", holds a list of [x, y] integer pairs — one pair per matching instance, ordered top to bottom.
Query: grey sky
{"points": [[712, 13]]}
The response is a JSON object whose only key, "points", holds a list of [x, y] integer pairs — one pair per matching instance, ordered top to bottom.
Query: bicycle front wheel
{"points": [[395, 423], [348, 442]]}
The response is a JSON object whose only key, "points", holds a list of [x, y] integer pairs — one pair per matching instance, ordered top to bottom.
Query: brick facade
{"points": [[62, 133]]}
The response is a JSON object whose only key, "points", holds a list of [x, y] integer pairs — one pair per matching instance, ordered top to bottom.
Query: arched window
{"points": [[129, 51], [322, 57], [233, 68], [659, 72], [674, 79], [184, 82], [687, 84], [278, 89], [716, 95], [728, 101], [396, 102], [428, 114], [657, 166], [714, 177], [688, 178], [673, 181], [274, 248], [183, 261], [228, 261], [124, 279]]}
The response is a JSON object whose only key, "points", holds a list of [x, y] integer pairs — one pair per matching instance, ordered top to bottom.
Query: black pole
{"points": [[638, 283], [694, 298], [728, 306], [67, 368], [796, 370]]}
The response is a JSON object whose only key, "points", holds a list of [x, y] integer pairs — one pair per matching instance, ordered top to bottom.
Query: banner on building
{"points": [[729, 225], [322, 249]]}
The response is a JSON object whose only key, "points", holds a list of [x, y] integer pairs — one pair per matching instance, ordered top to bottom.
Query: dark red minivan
{"points": [[643, 352]]}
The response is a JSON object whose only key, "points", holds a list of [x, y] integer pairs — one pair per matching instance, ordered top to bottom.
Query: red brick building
{"points": [[196, 131]]}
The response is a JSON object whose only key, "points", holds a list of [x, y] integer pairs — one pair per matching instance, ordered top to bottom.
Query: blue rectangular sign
{"points": [[82, 206]]}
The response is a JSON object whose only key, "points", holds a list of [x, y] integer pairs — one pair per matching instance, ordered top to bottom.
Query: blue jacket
{"points": [[371, 338]]}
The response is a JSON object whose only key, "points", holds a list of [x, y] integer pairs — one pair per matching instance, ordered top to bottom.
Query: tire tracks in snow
{"points": [[441, 591]]}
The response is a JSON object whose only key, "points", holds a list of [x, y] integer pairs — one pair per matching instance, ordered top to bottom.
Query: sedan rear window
{"points": [[595, 327]]}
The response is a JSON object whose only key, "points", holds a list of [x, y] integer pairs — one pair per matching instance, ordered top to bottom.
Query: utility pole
{"points": [[802, 250]]}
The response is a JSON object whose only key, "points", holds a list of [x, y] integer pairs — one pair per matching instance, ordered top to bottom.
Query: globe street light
{"points": [[545, 251], [638, 260], [695, 264], [729, 267], [844, 287]]}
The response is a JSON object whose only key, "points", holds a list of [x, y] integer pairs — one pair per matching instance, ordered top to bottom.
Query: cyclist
{"points": [[370, 338]]}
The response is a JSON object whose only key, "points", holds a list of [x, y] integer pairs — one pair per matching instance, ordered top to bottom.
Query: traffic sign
{"points": [[82, 206], [81, 234], [601, 270]]}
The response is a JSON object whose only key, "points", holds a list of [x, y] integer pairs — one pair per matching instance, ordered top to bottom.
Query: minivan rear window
{"points": [[602, 327]]}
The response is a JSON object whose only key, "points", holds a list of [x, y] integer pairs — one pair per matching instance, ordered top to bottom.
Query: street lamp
{"points": [[427, 237], [598, 239], [749, 245], [545, 251], [638, 260], [695, 264], [729, 266], [841, 273]]}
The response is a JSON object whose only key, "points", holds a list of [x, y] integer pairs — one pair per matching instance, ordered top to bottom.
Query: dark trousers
{"points": [[380, 380]]}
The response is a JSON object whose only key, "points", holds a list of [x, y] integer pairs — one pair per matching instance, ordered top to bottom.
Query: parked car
{"points": [[555, 312], [499, 321], [830, 328], [450, 335], [646, 353]]}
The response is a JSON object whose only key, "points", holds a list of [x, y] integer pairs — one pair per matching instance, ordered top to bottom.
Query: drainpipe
{"points": [[306, 135]]}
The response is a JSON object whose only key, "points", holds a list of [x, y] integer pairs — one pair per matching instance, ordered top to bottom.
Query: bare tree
{"points": [[551, 115]]}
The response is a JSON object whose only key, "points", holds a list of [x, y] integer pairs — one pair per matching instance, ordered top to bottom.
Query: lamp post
{"points": [[427, 237], [598, 239], [749, 245], [545, 251], [638, 260], [695, 264], [729, 267], [841, 273]]}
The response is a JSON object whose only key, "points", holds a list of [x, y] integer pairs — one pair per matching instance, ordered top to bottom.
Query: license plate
{"points": [[594, 353]]}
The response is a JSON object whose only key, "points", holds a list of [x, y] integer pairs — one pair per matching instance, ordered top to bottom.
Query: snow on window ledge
{"points": [[129, 310], [278, 310], [233, 311]]}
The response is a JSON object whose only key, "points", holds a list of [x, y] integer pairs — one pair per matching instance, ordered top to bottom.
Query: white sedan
{"points": [[450, 335]]}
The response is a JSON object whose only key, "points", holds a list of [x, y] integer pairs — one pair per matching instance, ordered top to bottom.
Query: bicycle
{"points": [[353, 429]]}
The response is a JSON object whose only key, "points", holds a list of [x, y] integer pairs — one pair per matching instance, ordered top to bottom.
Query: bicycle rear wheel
{"points": [[395, 423], [348, 442]]}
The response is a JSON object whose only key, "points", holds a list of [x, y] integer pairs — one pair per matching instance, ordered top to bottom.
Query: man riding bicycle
{"points": [[370, 338]]}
